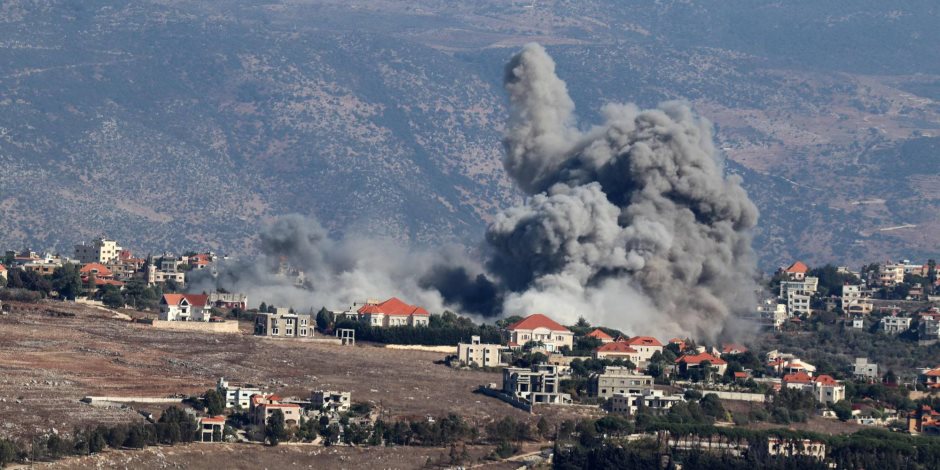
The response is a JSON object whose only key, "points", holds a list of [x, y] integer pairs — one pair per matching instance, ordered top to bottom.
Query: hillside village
{"points": [[625, 383]]}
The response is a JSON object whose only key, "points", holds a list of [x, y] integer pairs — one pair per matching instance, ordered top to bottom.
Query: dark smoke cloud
{"points": [[630, 222]]}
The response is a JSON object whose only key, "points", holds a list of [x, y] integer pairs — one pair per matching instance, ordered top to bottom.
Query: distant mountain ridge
{"points": [[173, 125]]}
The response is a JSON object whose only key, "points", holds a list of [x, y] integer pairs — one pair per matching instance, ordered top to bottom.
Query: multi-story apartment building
{"points": [[100, 250], [890, 275], [799, 294], [283, 324], [482, 354], [618, 381], [539, 384]]}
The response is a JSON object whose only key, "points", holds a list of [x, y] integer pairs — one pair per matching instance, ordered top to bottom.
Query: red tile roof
{"points": [[201, 259], [798, 267], [99, 269], [108, 282], [196, 300], [392, 307], [537, 320], [599, 334], [644, 341], [616, 347], [728, 348], [699, 358], [933, 372], [740, 375], [798, 377], [826, 380], [214, 419]]}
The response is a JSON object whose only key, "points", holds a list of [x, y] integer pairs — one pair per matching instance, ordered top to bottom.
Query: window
{"points": [[274, 331], [290, 332], [303, 332]]}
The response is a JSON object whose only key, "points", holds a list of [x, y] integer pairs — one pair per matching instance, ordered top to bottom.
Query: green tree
{"points": [[67, 281], [112, 297], [325, 319], [215, 402], [843, 410], [276, 429], [7, 452]]}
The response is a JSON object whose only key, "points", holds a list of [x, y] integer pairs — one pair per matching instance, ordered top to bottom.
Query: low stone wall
{"points": [[207, 327], [317, 339], [415, 347], [495, 393], [739, 396], [146, 400]]}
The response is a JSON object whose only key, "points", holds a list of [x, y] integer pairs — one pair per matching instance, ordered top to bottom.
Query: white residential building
{"points": [[100, 250], [890, 275], [798, 294], [856, 300], [184, 307], [392, 312], [893, 325], [540, 329], [481, 354], [865, 369], [236, 396], [654, 400], [338, 402]]}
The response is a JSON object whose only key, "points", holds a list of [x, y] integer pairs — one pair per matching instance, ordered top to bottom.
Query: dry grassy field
{"points": [[49, 360], [242, 456]]}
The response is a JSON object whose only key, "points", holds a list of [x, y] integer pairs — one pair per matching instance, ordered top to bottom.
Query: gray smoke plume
{"points": [[630, 223], [336, 272]]}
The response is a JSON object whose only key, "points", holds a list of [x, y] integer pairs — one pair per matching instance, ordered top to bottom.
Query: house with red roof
{"points": [[200, 260], [796, 271], [184, 307], [392, 312], [540, 329], [599, 334], [646, 346], [732, 348], [618, 350], [692, 361], [930, 378], [798, 380], [824, 388], [827, 389], [263, 406], [924, 420], [211, 428]]}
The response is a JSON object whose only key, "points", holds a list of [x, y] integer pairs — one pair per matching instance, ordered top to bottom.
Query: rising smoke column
{"points": [[630, 222]]}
